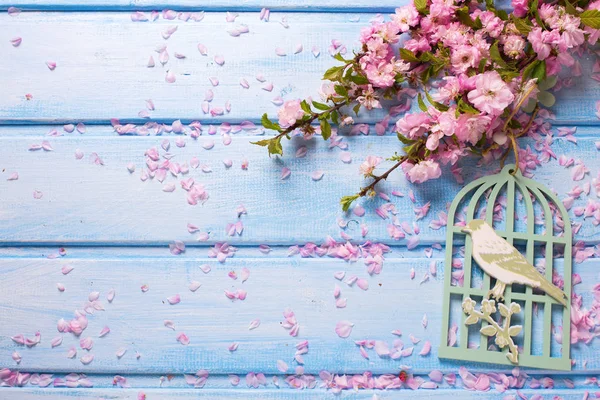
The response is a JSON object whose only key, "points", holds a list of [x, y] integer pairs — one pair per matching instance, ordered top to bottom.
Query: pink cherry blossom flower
{"points": [[491, 94], [289, 113]]}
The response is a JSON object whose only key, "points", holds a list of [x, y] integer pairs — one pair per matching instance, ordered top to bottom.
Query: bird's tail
{"points": [[554, 292]]}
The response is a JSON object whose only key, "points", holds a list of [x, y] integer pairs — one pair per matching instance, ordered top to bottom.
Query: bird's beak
{"points": [[466, 230]]}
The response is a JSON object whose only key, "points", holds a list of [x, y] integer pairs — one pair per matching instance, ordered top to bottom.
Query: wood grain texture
{"points": [[101, 68], [106, 205], [116, 228], [213, 322], [273, 394]]}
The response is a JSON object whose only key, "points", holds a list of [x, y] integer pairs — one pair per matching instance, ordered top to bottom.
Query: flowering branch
{"points": [[478, 71], [502, 333]]}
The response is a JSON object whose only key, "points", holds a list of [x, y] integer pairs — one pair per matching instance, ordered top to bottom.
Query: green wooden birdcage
{"points": [[536, 209]]}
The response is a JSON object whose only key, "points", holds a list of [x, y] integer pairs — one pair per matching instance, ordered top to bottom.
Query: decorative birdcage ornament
{"points": [[495, 310]]}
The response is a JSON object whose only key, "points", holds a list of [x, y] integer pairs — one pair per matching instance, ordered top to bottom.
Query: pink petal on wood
{"points": [[14, 11], [166, 34], [16, 41], [298, 48], [202, 49], [280, 52], [219, 59], [151, 62], [51, 65], [170, 77], [214, 80], [244, 83], [267, 87], [81, 128], [285, 173], [317, 175], [13, 177], [245, 274], [362, 283], [194, 285], [175, 299], [254, 324], [344, 328], [105, 331], [183, 339], [56, 341], [426, 348], [86, 359], [282, 366]]}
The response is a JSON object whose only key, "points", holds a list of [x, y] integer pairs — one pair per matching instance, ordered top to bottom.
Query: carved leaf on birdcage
{"points": [[503, 333]]}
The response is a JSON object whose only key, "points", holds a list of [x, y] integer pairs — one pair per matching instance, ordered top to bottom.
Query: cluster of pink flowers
{"points": [[491, 67]]}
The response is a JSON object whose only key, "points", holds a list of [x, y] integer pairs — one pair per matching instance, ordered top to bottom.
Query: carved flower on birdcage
{"points": [[503, 333]]}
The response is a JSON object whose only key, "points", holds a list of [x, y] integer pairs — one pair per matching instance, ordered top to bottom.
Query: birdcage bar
{"points": [[524, 237], [530, 255], [468, 263], [547, 331]]}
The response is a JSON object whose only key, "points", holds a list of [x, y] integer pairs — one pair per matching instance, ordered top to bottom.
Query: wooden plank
{"points": [[385, 6], [101, 68], [85, 203], [213, 322], [274, 394]]}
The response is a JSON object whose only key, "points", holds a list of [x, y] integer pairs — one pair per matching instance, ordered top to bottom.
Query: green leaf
{"points": [[489, 4], [421, 6], [570, 8], [534, 9], [503, 15], [465, 18], [591, 18], [523, 25], [408, 55], [496, 56], [339, 57], [482, 64], [536, 69], [539, 71], [333, 73], [359, 79], [548, 83], [341, 90], [547, 99], [422, 105], [437, 105], [320, 106], [530, 106], [306, 107], [465, 107], [356, 108], [335, 117], [268, 124], [325, 129], [404, 139], [264, 142], [275, 146], [347, 201], [472, 319], [488, 330], [514, 330]]}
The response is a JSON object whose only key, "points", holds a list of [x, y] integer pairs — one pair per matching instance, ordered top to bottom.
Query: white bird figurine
{"points": [[501, 260]]}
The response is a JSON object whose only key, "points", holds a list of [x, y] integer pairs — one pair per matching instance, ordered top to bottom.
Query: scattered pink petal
{"points": [[14, 11], [166, 34], [16, 41], [298, 48], [202, 49], [280, 52], [219, 60], [151, 62], [51, 65], [170, 77], [214, 80], [244, 83], [81, 128], [78, 154], [285, 173], [317, 175], [13, 177], [205, 268], [66, 269], [245, 274], [362, 283], [194, 285], [60, 287], [175, 299], [424, 321], [169, 324], [254, 324], [344, 328], [105, 331], [183, 339], [56, 341], [233, 346], [426, 348], [121, 352], [16, 357], [86, 359], [282, 366]]}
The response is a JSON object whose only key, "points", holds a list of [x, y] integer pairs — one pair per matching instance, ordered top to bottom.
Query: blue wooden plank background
{"points": [[116, 229]]}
